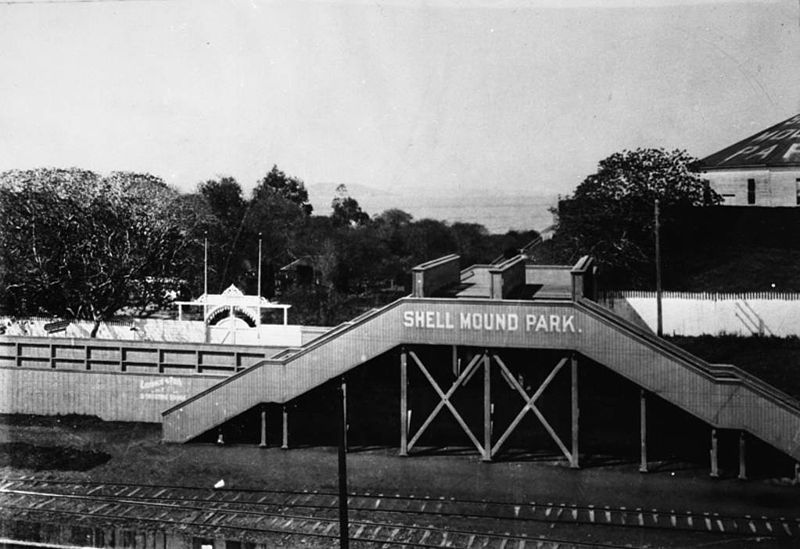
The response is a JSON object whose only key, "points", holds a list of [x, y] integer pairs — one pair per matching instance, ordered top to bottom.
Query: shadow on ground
{"points": [[21, 455]]}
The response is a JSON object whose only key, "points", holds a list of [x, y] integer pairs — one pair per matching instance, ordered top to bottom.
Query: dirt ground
{"points": [[89, 449]]}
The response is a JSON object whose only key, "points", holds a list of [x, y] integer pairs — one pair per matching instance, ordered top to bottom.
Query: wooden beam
{"points": [[445, 401], [403, 403], [530, 406], [487, 407], [344, 413], [642, 431], [285, 438], [263, 443], [714, 454], [742, 456], [574, 461]]}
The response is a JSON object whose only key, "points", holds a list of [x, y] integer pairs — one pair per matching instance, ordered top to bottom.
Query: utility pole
{"points": [[657, 229], [344, 534]]}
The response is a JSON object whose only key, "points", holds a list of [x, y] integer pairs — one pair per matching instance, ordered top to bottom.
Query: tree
{"points": [[289, 188], [223, 197], [346, 210], [610, 214], [77, 245]]}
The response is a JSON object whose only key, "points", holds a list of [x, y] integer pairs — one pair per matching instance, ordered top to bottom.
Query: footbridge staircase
{"points": [[511, 305]]}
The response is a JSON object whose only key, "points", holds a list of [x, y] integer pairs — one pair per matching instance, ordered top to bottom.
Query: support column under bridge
{"points": [[489, 440]]}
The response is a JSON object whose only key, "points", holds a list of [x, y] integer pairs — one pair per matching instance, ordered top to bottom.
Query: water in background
{"points": [[498, 214]]}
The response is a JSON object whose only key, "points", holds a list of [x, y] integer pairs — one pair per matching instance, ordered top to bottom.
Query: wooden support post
{"points": [[456, 369], [403, 403], [487, 407], [344, 413], [642, 431], [220, 438], [285, 441], [263, 443], [714, 454], [742, 456], [574, 461]]}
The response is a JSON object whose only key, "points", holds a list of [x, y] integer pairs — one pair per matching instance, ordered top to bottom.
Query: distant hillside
{"points": [[499, 212]]}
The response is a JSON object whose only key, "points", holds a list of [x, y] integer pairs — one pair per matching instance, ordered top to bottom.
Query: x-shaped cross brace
{"points": [[445, 399], [530, 406]]}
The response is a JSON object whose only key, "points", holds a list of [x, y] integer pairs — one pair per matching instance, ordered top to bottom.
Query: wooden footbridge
{"points": [[489, 308]]}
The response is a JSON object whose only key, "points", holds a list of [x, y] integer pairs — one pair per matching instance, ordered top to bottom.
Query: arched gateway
{"points": [[481, 313]]}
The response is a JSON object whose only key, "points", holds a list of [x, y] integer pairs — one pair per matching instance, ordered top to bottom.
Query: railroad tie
{"points": [[377, 503], [517, 509], [591, 513], [608, 513], [623, 514], [640, 516], [673, 519], [707, 520], [719, 522], [767, 524], [786, 527], [329, 528], [359, 531], [424, 537], [445, 542], [503, 543]]}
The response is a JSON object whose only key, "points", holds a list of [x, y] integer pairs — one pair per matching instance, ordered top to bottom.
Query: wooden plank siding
{"points": [[114, 380], [111, 396], [722, 396]]}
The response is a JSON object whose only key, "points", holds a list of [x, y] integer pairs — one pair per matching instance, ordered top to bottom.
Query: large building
{"points": [[762, 170]]}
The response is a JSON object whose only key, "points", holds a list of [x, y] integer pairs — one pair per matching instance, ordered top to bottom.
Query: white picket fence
{"points": [[708, 313]]}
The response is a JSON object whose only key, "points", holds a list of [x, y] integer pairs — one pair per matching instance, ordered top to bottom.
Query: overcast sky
{"points": [[506, 95]]}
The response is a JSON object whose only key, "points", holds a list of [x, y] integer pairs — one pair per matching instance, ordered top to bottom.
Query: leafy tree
{"points": [[289, 188], [346, 210], [610, 214], [77, 245], [227, 258]]}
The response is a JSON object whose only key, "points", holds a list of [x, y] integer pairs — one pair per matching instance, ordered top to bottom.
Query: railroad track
{"points": [[313, 513]]}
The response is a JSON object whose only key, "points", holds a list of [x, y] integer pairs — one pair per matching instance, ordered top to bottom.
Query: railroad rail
{"points": [[375, 518]]}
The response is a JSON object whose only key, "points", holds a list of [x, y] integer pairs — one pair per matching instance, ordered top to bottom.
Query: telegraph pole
{"points": [[657, 229], [344, 534]]}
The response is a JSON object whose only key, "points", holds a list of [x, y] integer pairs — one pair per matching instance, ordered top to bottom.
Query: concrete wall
{"points": [[712, 314]]}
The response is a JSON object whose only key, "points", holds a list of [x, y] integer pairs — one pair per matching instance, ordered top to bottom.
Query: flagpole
{"points": [[259, 271], [205, 283], [259, 286]]}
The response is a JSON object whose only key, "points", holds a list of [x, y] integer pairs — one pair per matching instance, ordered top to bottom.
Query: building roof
{"points": [[775, 147], [233, 297]]}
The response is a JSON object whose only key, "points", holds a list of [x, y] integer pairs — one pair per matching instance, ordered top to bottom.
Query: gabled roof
{"points": [[775, 147]]}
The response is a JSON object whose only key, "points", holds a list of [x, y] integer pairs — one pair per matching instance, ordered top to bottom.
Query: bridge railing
{"points": [[507, 277], [428, 278], [127, 356], [719, 372]]}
